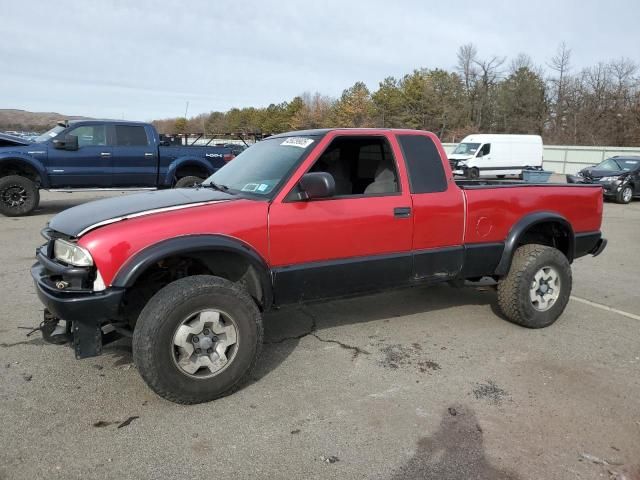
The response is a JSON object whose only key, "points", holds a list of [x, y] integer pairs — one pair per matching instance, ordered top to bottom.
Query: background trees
{"points": [[599, 104]]}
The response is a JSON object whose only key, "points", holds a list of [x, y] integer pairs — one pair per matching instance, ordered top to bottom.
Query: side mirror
{"points": [[70, 142], [480, 154], [317, 185]]}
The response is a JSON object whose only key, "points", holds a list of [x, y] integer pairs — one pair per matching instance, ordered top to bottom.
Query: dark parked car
{"points": [[618, 176]]}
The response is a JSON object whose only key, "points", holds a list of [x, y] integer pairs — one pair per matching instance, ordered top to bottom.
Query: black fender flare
{"points": [[29, 161], [521, 227], [138, 263]]}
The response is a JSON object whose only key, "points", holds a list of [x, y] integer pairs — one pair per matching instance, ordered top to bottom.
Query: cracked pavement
{"points": [[312, 332], [409, 384]]}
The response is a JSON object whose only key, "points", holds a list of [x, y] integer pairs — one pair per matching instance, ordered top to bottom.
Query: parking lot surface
{"points": [[418, 383]]}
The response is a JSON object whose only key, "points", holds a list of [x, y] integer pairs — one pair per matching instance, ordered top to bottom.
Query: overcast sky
{"points": [[145, 59]]}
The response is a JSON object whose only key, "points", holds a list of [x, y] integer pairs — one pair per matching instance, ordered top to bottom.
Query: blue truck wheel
{"points": [[18, 196]]}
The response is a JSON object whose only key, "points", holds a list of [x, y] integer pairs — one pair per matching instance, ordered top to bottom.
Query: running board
{"points": [[71, 190]]}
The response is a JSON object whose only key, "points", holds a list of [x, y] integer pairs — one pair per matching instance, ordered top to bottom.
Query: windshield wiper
{"points": [[215, 186]]}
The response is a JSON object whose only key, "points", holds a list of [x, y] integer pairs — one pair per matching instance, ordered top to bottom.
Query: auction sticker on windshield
{"points": [[297, 142]]}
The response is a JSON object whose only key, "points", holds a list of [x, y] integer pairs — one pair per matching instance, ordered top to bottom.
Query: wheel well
{"points": [[18, 167], [191, 170], [551, 234], [229, 265]]}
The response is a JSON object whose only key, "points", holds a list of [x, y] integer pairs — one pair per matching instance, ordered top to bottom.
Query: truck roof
{"points": [[121, 122], [324, 131]]}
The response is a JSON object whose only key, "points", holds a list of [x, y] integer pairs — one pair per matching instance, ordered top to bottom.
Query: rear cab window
{"points": [[131, 136], [424, 165]]}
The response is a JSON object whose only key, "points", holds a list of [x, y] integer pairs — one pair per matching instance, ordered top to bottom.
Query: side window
{"points": [[90, 135], [131, 136], [486, 148], [360, 166], [426, 174]]}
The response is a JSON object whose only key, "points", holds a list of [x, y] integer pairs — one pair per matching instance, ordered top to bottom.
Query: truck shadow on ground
{"points": [[284, 328], [454, 452]]}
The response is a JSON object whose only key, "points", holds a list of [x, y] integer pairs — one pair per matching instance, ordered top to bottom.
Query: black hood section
{"points": [[11, 141], [75, 220]]}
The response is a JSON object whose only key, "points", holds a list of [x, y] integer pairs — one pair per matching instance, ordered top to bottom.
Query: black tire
{"points": [[473, 173], [188, 182], [625, 194], [19, 196], [514, 290], [154, 351]]}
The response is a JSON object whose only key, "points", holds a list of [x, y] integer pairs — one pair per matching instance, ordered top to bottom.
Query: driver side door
{"points": [[89, 166], [357, 240]]}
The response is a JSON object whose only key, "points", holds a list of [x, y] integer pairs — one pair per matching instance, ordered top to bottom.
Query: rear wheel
{"points": [[187, 182], [625, 195], [18, 196], [536, 290], [197, 339]]}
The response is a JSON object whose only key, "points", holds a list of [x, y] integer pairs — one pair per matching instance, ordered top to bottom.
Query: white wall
{"points": [[570, 159]]}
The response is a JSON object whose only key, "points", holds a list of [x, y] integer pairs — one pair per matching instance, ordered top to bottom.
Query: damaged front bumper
{"points": [[86, 311]]}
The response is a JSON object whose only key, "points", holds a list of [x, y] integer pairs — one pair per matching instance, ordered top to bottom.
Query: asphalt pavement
{"points": [[411, 384]]}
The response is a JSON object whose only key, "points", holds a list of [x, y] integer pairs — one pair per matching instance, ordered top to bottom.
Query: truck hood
{"points": [[11, 141], [459, 157], [76, 221]]}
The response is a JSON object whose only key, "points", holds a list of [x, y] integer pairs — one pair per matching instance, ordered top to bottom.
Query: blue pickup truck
{"points": [[98, 155]]}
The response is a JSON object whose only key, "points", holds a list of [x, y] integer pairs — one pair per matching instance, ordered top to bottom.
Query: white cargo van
{"points": [[487, 155]]}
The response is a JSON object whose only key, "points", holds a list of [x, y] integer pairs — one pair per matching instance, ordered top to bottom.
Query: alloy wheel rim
{"points": [[626, 194], [14, 196], [545, 288], [205, 343]]}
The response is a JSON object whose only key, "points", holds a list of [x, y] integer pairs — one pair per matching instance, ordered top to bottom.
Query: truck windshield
{"points": [[49, 134], [466, 149], [263, 166]]}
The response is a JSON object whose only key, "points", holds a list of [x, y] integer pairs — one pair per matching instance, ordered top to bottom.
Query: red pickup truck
{"points": [[299, 216]]}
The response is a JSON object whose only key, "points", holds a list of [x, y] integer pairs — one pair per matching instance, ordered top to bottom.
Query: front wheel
{"points": [[473, 173], [625, 195], [19, 196], [537, 288], [197, 339]]}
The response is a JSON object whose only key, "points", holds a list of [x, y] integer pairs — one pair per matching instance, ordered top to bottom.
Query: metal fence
{"points": [[571, 158]]}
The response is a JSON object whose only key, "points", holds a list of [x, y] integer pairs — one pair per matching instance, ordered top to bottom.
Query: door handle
{"points": [[105, 154], [148, 154], [402, 212]]}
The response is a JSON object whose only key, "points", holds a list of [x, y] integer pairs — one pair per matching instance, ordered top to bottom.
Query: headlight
{"points": [[462, 163], [610, 179], [71, 254]]}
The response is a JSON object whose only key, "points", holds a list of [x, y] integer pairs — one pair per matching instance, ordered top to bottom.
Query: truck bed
{"points": [[493, 207]]}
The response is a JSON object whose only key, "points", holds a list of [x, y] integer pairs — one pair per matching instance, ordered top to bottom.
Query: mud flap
{"points": [[87, 340]]}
